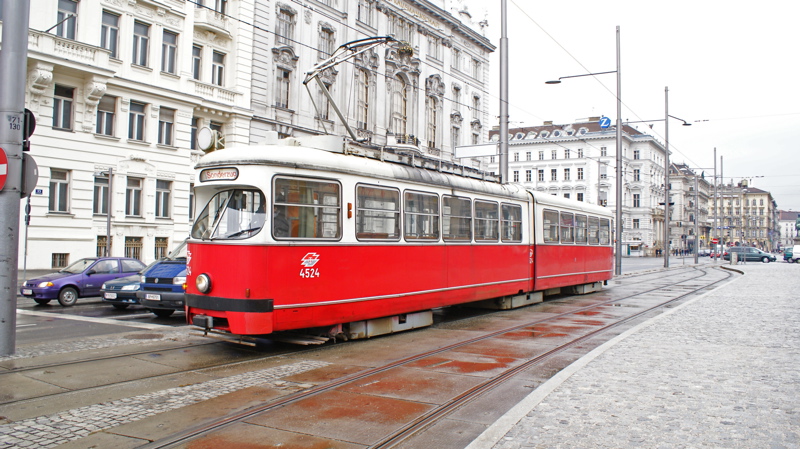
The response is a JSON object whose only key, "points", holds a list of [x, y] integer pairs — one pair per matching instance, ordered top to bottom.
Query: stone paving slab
{"points": [[718, 371]]}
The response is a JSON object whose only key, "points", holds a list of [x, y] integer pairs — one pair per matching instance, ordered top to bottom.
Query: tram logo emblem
{"points": [[309, 260]]}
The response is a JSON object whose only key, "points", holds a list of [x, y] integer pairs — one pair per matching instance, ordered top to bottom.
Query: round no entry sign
{"points": [[3, 168]]}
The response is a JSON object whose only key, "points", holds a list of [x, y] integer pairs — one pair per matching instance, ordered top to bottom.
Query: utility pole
{"points": [[13, 68]]}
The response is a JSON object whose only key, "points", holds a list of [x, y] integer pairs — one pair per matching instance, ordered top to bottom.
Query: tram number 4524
{"points": [[308, 273]]}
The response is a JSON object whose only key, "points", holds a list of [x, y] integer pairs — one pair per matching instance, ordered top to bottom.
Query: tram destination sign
{"points": [[219, 174]]}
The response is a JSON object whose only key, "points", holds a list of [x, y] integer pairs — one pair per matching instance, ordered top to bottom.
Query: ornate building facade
{"points": [[121, 88]]}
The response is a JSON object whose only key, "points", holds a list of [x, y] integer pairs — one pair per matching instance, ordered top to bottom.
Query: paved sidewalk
{"points": [[721, 371]]}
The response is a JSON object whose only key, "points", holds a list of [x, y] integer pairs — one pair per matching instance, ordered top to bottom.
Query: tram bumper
{"points": [[237, 316]]}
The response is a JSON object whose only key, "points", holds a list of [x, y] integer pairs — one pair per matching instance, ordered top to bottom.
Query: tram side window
{"points": [[306, 209], [377, 213], [231, 214], [421, 216], [456, 218], [487, 221], [512, 222], [550, 226], [567, 227], [580, 228], [594, 229], [605, 231]]}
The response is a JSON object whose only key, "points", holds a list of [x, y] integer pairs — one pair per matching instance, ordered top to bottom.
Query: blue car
{"points": [[80, 279], [163, 284], [121, 292]]}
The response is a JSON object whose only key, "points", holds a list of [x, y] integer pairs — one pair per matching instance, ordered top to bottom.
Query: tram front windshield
{"points": [[231, 214]]}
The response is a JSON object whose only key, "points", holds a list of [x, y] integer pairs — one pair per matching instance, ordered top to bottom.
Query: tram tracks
{"points": [[426, 420]]}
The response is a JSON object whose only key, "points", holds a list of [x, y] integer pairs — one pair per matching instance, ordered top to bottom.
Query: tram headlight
{"points": [[203, 283]]}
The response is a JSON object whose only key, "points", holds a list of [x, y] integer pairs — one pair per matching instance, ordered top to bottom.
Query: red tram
{"points": [[342, 239]]}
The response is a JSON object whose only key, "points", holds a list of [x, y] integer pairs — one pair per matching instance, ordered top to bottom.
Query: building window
{"points": [[221, 6], [365, 11], [67, 18], [285, 31], [109, 33], [141, 39], [326, 43], [433, 44], [169, 52], [197, 61], [456, 62], [218, 69], [476, 69], [456, 98], [282, 99], [362, 99], [322, 102], [399, 106], [62, 107], [476, 107], [106, 110], [433, 120], [136, 121], [166, 125], [193, 134], [455, 136], [475, 138], [603, 151], [580, 153], [554, 154], [566, 154], [636, 154], [541, 155], [528, 156], [516, 157], [553, 174], [566, 174], [580, 174], [637, 174], [516, 175], [528, 175], [541, 176], [163, 189], [59, 191], [566, 195], [133, 197], [580, 197], [637, 200], [100, 201], [635, 223], [101, 245], [161, 245], [133, 247], [59, 260]]}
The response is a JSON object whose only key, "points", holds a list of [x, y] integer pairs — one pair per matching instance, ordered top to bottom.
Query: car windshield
{"points": [[231, 214], [78, 267]]}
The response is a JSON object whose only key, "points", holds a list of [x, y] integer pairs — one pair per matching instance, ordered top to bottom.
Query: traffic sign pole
{"points": [[13, 66]]}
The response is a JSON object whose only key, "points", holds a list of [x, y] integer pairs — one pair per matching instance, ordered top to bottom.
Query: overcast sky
{"points": [[732, 67]]}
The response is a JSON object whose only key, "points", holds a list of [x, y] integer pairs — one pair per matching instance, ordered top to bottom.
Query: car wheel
{"points": [[765, 259], [68, 296], [41, 301], [120, 306], [163, 313]]}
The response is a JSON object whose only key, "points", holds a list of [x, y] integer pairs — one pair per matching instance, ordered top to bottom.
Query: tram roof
{"points": [[362, 162]]}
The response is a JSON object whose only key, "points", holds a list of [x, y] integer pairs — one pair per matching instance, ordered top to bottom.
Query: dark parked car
{"points": [[749, 254], [787, 254], [81, 279], [163, 284], [121, 292]]}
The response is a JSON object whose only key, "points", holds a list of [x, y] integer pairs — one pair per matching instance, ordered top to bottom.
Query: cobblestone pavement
{"points": [[719, 371], [52, 430]]}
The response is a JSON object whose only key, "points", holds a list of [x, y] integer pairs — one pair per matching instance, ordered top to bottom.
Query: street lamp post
{"points": [[666, 173], [110, 174], [618, 213]]}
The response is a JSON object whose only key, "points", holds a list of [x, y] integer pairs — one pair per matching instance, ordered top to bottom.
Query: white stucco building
{"points": [[578, 161]]}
